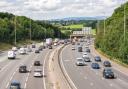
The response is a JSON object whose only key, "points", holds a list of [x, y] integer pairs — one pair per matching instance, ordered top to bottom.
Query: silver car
{"points": [[80, 62]]}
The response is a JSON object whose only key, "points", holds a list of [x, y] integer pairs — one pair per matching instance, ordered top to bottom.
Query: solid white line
{"points": [[44, 69], [66, 72]]}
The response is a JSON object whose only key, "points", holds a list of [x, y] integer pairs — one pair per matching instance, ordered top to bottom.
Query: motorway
{"points": [[9, 70], [84, 77]]}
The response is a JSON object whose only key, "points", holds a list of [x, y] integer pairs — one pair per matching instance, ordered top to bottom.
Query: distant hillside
{"points": [[80, 18], [111, 41]]}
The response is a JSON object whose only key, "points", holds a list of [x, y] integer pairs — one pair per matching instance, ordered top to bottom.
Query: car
{"points": [[73, 43], [78, 43], [55, 44], [33, 46], [50, 47], [86, 47], [40, 48], [73, 48], [14, 49], [29, 49], [80, 49], [22, 50], [87, 50], [37, 51], [85, 54], [11, 55], [86, 59], [97, 59], [80, 62], [37, 63], [107, 64], [95, 66], [23, 69], [38, 73], [108, 73], [15, 84]]}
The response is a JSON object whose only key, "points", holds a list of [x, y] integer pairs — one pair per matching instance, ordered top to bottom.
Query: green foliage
{"points": [[39, 29], [112, 41]]}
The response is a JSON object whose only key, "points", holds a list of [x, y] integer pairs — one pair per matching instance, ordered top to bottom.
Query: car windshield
{"points": [[80, 59]]}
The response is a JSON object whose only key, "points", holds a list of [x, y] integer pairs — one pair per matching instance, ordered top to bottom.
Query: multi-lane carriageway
{"points": [[76, 77]]}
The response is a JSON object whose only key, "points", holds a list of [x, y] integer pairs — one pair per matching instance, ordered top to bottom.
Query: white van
{"points": [[22, 51], [11, 55]]}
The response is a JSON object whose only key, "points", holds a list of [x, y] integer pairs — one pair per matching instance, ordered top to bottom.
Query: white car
{"points": [[55, 44], [73, 48], [14, 49], [22, 50], [11, 55], [38, 73]]}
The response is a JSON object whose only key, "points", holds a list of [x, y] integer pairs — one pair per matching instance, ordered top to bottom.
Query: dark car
{"points": [[73, 43], [78, 43], [33, 46], [50, 47], [40, 48], [80, 49], [87, 50], [37, 51], [97, 59], [37, 63], [107, 64], [95, 66], [23, 69], [108, 73], [15, 85]]}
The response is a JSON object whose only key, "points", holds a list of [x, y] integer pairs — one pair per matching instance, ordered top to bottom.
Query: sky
{"points": [[56, 9]]}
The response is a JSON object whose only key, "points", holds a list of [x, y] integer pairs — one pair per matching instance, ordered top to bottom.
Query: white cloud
{"points": [[50, 9]]}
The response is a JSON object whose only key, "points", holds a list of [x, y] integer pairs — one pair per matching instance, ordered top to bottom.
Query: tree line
{"points": [[39, 29], [113, 40]]}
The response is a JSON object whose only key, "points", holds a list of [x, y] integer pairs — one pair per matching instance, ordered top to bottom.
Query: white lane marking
{"points": [[66, 60], [5, 67], [44, 69], [120, 71], [66, 72], [11, 78], [85, 78], [123, 81], [91, 84], [111, 85]]}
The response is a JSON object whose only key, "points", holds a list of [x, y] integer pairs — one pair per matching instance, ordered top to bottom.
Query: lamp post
{"points": [[15, 31]]}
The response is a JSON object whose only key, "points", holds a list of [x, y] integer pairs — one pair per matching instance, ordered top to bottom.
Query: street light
{"points": [[124, 22], [15, 30], [30, 30]]}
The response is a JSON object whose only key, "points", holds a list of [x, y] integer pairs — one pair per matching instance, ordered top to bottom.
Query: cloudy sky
{"points": [[54, 9]]}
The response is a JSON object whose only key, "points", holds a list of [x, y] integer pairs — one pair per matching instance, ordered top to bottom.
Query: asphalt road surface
{"points": [[9, 70], [84, 77]]}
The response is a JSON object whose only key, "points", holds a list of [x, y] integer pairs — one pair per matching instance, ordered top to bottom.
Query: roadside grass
{"points": [[93, 31], [7, 46], [112, 59]]}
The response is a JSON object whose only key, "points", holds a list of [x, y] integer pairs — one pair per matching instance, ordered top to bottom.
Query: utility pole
{"points": [[30, 30], [15, 31]]}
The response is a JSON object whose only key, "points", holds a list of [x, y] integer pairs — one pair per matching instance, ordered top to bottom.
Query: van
{"points": [[11, 55], [15, 85]]}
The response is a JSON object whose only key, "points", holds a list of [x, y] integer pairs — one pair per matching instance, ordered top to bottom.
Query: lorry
{"points": [[49, 41]]}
